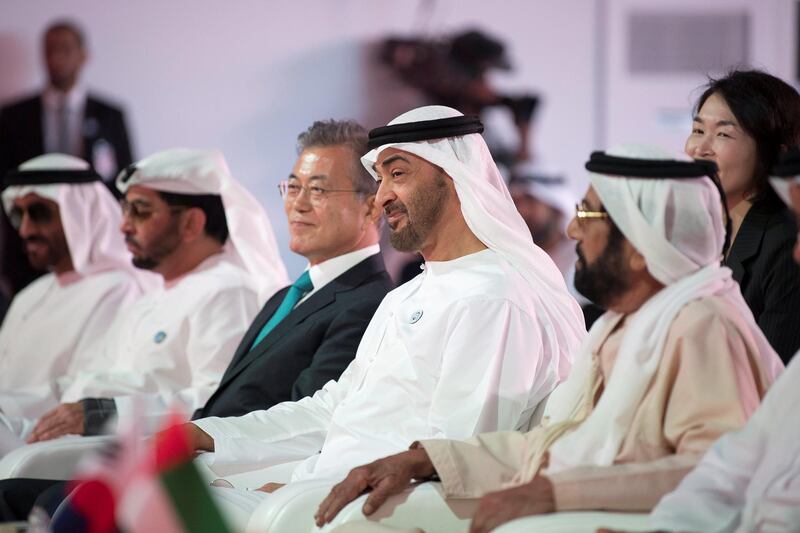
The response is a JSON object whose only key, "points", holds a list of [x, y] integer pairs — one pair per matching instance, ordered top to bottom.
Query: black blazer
{"points": [[21, 138], [762, 263], [312, 345]]}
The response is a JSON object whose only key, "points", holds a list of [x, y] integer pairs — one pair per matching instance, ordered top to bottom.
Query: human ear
{"points": [[193, 224], [637, 261]]}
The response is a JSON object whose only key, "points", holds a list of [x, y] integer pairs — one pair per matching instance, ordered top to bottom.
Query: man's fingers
{"points": [[49, 419], [55, 423], [42, 427], [51, 433], [385, 488], [342, 494], [338, 500], [331, 506], [480, 522], [478, 525]]}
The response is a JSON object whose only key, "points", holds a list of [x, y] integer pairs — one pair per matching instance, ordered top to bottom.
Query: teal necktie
{"points": [[299, 288]]}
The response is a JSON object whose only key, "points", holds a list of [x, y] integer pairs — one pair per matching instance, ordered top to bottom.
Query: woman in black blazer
{"points": [[742, 122]]}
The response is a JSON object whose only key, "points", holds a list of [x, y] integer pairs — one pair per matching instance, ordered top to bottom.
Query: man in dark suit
{"points": [[63, 118], [333, 222], [308, 333]]}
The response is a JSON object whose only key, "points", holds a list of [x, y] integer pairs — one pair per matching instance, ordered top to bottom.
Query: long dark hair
{"points": [[767, 108]]}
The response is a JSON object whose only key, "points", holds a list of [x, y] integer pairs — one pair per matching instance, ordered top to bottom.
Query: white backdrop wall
{"points": [[247, 76], [657, 106]]}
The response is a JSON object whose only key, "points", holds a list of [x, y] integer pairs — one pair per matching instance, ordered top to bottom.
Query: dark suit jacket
{"points": [[22, 138], [762, 263], [312, 345]]}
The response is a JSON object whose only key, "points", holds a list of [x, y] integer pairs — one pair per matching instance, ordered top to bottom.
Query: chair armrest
{"points": [[54, 459], [254, 479], [421, 506], [424, 507], [290, 508]]}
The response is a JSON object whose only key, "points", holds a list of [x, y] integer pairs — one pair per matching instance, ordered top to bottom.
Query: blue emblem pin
{"points": [[415, 316], [159, 337]]}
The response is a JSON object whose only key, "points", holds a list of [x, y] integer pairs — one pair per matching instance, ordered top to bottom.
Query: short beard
{"points": [[423, 212], [168, 242], [54, 255], [145, 263], [607, 278]]}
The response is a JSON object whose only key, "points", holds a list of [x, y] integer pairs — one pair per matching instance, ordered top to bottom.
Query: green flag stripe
{"points": [[191, 500]]}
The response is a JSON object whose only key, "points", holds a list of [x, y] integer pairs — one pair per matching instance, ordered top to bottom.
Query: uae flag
{"points": [[139, 486], [167, 494]]}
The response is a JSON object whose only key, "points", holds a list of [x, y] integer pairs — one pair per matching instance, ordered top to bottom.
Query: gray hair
{"points": [[342, 133]]}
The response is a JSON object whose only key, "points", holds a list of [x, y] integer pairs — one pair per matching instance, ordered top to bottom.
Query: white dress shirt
{"points": [[73, 104], [323, 273]]}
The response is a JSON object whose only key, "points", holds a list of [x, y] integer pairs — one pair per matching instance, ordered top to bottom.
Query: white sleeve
{"points": [[214, 332], [493, 370], [286, 432], [713, 495]]}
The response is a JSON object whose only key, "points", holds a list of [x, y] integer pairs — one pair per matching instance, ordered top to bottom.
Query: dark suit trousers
{"points": [[18, 496]]}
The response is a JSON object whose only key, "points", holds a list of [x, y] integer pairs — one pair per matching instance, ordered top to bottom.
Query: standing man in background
{"points": [[63, 118]]}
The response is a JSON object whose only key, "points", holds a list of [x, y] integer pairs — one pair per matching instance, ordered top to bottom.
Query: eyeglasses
{"points": [[290, 191], [139, 212], [38, 213], [581, 213]]}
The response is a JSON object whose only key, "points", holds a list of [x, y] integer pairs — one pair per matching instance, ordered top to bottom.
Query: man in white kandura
{"points": [[188, 220], [68, 221], [473, 343], [750, 479]]}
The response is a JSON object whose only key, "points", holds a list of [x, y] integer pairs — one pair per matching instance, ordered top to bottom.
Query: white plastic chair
{"points": [[54, 459]]}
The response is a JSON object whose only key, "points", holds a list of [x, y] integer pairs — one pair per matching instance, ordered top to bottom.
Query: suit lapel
{"points": [[37, 119], [90, 128], [748, 240], [327, 295], [316, 302], [252, 332]]}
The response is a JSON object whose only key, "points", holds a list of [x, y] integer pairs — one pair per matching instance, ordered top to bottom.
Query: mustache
{"points": [[395, 207], [34, 239], [130, 240], [578, 252]]}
